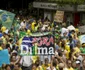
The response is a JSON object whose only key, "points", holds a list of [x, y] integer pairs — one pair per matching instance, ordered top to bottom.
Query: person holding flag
{"points": [[26, 61]]}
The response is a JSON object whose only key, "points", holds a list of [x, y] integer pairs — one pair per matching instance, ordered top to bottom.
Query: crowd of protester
{"points": [[69, 52]]}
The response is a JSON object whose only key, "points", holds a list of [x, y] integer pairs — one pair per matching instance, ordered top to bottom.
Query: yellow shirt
{"points": [[33, 26], [36, 28], [3, 29], [4, 40], [20, 41], [1, 48], [67, 48], [77, 50], [34, 58], [45, 66], [57, 67], [39, 68], [70, 68], [20, 69]]}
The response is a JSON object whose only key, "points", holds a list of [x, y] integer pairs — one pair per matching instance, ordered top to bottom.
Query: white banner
{"points": [[82, 29]]}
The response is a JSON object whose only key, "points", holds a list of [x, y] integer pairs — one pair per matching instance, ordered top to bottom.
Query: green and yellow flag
{"points": [[6, 18], [22, 34]]}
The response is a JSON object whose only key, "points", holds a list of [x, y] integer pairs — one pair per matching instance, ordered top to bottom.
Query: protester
{"points": [[68, 54], [26, 62], [46, 64], [83, 64], [8, 67], [17, 67]]}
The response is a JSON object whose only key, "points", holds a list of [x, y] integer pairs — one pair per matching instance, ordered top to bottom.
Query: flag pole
{"points": [[14, 31]]}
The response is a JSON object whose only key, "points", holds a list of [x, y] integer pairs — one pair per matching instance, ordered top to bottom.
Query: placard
{"points": [[59, 16], [82, 29], [4, 57]]}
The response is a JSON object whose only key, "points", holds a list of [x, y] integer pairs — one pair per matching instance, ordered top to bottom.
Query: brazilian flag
{"points": [[6, 18], [22, 34]]}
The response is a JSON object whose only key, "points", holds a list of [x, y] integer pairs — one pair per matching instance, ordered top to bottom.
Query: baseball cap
{"points": [[14, 51], [80, 58], [78, 62]]}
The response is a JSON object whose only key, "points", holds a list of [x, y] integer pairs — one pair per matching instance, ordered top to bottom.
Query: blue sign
{"points": [[4, 57]]}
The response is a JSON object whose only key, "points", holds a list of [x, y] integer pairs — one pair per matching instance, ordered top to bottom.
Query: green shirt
{"points": [[82, 50]]}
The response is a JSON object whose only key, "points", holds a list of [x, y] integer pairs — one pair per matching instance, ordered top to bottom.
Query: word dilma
{"points": [[25, 50]]}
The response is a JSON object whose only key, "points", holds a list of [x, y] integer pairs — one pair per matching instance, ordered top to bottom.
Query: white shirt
{"points": [[22, 24], [44, 27], [63, 30], [6, 31], [80, 58], [26, 61]]}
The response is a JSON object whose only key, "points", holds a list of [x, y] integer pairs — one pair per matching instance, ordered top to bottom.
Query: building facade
{"points": [[74, 14]]}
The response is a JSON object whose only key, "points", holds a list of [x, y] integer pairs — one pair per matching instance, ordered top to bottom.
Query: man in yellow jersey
{"points": [[46, 64]]}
